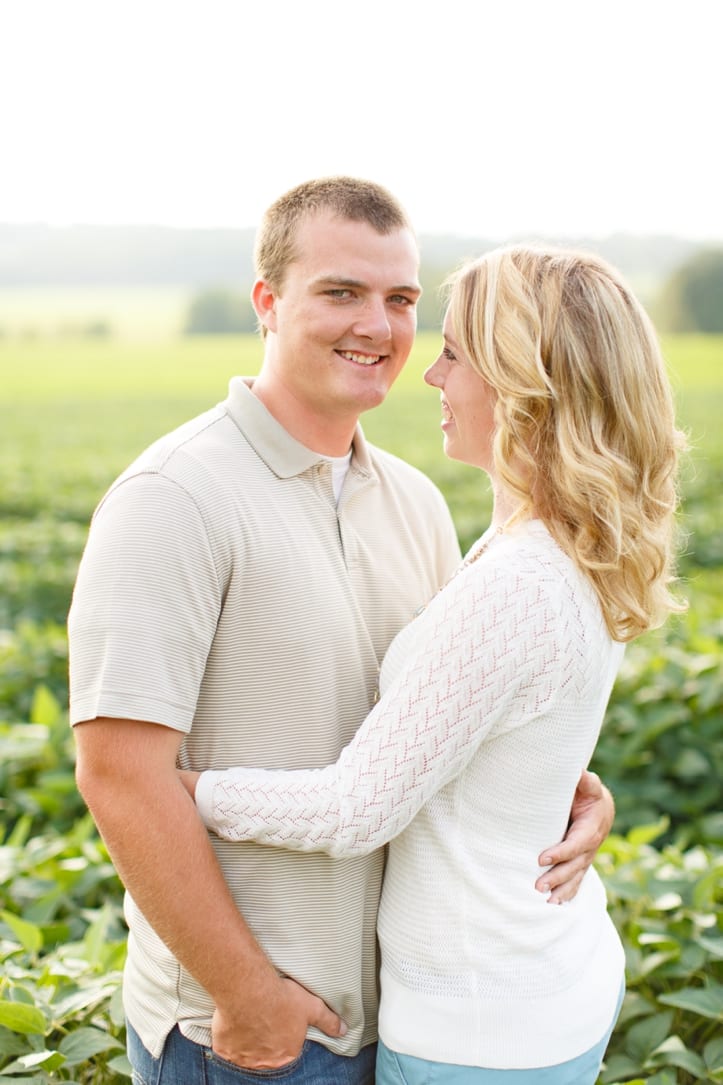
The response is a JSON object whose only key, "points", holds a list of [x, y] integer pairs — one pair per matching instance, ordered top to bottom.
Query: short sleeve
{"points": [[145, 606]]}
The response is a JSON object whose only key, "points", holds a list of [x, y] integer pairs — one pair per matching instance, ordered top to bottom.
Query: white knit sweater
{"points": [[493, 700]]}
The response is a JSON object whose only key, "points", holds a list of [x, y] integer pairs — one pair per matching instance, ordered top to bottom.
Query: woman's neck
{"points": [[507, 508]]}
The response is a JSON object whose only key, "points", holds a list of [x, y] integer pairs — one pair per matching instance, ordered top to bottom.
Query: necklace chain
{"points": [[500, 530], [472, 558]]}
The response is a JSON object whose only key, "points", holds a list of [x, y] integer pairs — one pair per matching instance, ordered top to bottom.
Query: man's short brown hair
{"points": [[348, 197]]}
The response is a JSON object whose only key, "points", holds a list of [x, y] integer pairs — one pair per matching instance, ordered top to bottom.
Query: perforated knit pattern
{"points": [[492, 651], [468, 765]]}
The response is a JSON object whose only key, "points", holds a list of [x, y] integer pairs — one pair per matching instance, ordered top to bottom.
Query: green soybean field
{"points": [[73, 414]]}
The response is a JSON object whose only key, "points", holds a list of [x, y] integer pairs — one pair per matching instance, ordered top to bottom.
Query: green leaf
{"points": [[45, 708], [692, 764], [21, 832], [645, 834], [706, 890], [668, 902], [28, 934], [95, 938], [662, 941], [713, 946], [653, 961], [95, 991], [24, 994], [707, 1001], [635, 1005], [115, 1007], [21, 1018], [645, 1036], [11, 1043], [84, 1043], [673, 1052], [713, 1055], [45, 1060], [48, 1060], [120, 1065], [619, 1066], [665, 1077], [36, 1079]]}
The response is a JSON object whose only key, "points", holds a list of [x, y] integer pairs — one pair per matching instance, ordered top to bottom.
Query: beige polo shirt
{"points": [[223, 593]]}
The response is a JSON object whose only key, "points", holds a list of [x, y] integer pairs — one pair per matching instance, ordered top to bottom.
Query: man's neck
{"points": [[328, 436]]}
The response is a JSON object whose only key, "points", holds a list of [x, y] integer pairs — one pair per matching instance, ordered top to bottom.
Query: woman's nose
{"points": [[433, 375]]}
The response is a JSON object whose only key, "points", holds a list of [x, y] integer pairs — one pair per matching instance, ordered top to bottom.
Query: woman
{"points": [[552, 383]]}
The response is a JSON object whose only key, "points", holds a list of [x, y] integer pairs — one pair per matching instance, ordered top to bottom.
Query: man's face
{"points": [[343, 321]]}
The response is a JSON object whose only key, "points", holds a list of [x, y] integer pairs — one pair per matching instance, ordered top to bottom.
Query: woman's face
{"points": [[467, 405]]}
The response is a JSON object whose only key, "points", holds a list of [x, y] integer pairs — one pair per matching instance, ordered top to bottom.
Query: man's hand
{"points": [[591, 819], [272, 1035]]}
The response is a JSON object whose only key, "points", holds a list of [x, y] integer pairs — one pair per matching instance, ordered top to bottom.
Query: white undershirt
{"points": [[339, 468]]}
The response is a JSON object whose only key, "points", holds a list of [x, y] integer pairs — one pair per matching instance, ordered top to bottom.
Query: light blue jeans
{"points": [[185, 1063], [393, 1069]]}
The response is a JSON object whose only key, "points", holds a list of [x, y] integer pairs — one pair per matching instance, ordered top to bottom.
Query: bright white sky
{"points": [[491, 118]]}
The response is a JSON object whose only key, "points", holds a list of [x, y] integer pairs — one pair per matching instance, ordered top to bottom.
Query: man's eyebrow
{"points": [[339, 280], [358, 284]]}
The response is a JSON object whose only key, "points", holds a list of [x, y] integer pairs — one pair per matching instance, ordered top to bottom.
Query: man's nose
{"points": [[373, 321]]}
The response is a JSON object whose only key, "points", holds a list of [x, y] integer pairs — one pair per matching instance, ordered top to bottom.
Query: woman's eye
{"points": [[447, 353]]}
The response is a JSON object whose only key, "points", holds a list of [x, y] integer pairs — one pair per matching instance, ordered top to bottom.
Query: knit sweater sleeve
{"points": [[488, 657]]}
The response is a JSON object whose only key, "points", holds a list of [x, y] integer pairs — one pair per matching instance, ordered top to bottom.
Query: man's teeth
{"points": [[362, 359]]}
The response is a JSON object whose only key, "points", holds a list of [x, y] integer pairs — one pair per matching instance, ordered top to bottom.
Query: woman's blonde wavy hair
{"points": [[585, 429]]}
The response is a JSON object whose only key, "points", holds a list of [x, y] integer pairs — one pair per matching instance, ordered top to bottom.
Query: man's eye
{"points": [[340, 292], [402, 299]]}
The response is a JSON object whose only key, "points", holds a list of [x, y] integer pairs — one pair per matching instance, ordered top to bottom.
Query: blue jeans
{"points": [[184, 1063], [393, 1069]]}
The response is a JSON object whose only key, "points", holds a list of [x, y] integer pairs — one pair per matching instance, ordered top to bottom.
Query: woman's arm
{"points": [[490, 648], [591, 820]]}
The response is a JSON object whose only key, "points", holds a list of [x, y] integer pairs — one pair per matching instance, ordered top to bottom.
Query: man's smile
{"points": [[361, 359]]}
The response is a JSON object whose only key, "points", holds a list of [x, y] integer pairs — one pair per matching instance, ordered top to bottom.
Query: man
{"points": [[240, 586]]}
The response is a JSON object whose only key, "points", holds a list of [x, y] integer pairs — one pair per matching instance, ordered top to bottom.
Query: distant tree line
{"points": [[680, 281], [692, 298], [219, 310]]}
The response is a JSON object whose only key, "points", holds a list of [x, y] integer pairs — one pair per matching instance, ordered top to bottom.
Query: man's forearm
{"points": [[126, 773], [162, 853]]}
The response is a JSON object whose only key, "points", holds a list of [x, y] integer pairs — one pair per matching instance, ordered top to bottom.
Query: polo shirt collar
{"points": [[280, 451]]}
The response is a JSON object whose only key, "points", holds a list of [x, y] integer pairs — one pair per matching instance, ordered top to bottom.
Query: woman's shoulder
{"points": [[528, 561]]}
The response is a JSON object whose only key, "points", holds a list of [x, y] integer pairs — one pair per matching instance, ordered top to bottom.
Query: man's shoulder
{"points": [[190, 436], [182, 460]]}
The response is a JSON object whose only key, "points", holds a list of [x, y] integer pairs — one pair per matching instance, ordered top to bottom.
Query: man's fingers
{"points": [[568, 851], [563, 879], [566, 890], [316, 1011], [326, 1020]]}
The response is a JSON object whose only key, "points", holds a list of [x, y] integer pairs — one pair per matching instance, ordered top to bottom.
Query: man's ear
{"points": [[263, 299]]}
